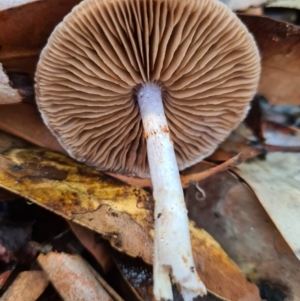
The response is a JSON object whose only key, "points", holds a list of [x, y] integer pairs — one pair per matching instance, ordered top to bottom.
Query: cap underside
{"points": [[198, 52]]}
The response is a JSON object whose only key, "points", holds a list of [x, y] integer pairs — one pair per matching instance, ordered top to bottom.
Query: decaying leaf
{"points": [[25, 28], [279, 46], [8, 95], [29, 125], [276, 183], [82, 194], [231, 212], [120, 213], [217, 270], [72, 278], [29, 285]]}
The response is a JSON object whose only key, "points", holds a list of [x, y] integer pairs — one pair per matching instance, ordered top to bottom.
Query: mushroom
{"points": [[149, 87]]}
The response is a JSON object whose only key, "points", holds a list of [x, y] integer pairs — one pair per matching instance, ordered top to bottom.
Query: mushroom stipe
{"points": [[149, 87], [172, 247]]}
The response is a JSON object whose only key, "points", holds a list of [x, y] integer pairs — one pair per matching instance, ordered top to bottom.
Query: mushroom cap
{"points": [[87, 79]]}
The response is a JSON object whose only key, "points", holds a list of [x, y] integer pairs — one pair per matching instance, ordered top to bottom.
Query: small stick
{"points": [[267, 148], [231, 163], [195, 177], [139, 182]]}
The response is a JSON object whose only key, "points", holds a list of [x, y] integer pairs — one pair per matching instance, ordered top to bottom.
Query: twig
{"points": [[267, 148], [231, 163], [195, 177], [139, 182]]}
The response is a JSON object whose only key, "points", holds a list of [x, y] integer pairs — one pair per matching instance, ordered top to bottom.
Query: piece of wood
{"points": [[72, 278], [28, 286]]}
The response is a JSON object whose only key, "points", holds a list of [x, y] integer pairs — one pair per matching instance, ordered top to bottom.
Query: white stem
{"points": [[172, 246]]}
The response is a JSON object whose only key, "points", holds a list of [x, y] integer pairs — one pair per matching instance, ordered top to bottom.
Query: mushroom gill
{"points": [[197, 51]]}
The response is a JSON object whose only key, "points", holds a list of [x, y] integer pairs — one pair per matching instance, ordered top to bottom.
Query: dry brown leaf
{"points": [[25, 28], [279, 45], [8, 95], [24, 120], [276, 182], [231, 212], [122, 214], [72, 278], [222, 278], [27, 286]]}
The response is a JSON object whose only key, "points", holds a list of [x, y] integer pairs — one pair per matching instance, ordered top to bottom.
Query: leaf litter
{"points": [[87, 196]]}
